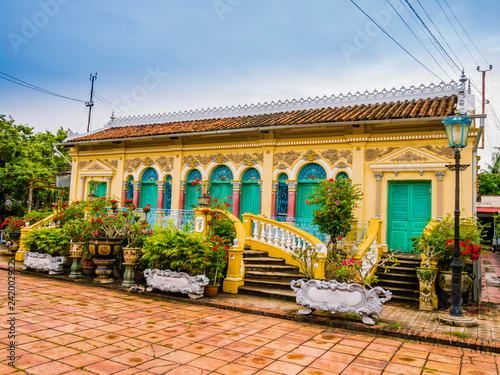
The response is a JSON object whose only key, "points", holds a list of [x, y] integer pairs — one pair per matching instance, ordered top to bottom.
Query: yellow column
{"points": [[358, 174], [74, 181], [176, 182], [267, 183]]}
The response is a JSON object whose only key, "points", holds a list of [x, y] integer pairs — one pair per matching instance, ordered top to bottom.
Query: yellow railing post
{"points": [[24, 231]]}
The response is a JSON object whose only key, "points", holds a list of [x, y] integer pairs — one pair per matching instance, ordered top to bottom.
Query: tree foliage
{"points": [[25, 155], [489, 184]]}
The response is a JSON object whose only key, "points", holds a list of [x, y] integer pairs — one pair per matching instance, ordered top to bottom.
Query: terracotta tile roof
{"points": [[419, 108]]}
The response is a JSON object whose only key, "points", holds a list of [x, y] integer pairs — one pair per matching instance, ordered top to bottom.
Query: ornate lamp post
{"points": [[457, 131]]}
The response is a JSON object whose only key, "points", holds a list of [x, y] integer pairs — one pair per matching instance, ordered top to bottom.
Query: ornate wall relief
{"points": [[445, 151], [376, 153], [333, 156], [408, 156], [288, 158], [113, 163], [165, 163], [82, 164], [132, 164]]}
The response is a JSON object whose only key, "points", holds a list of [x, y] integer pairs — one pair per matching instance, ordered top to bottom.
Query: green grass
{"points": [[151, 323], [396, 325], [458, 334]]}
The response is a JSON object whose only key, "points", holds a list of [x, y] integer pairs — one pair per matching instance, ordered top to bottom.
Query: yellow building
{"points": [[267, 158]]}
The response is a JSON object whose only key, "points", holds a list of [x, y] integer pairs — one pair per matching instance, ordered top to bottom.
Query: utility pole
{"points": [[484, 80], [90, 103]]}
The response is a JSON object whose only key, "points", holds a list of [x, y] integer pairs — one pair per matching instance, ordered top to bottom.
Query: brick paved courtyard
{"points": [[66, 328]]}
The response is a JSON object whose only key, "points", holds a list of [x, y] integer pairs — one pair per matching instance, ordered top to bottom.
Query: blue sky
{"points": [[159, 56]]}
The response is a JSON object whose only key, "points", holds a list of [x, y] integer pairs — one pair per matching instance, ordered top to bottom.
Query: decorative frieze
{"points": [[444, 151], [376, 153], [333, 156], [408, 156], [289, 158], [113, 163], [165, 163], [133, 164]]}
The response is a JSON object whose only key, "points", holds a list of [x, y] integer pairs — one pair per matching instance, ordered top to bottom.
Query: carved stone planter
{"points": [[130, 255], [44, 262], [177, 282], [340, 297], [428, 299]]}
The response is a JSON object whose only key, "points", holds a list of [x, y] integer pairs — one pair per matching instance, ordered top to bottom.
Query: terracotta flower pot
{"points": [[138, 275], [211, 290]]}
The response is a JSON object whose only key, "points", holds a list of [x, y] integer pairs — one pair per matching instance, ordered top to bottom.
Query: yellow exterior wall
{"points": [[414, 154]]}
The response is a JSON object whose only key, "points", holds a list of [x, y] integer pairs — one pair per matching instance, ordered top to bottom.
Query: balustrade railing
{"points": [[181, 219]]}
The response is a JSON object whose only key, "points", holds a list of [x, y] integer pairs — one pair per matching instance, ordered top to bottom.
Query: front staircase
{"points": [[267, 276], [401, 279]]}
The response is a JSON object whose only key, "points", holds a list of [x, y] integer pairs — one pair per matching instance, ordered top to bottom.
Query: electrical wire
{"points": [[437, 29], [456, 32], [466, 33], [432, 35], [416, 37], [399, 45], [20, 82], [108, 103]]}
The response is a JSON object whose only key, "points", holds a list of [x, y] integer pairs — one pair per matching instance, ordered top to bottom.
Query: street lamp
{"points": [[457, 131]]}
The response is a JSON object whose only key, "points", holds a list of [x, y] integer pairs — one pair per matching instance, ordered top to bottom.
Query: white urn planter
{"points": [[44, 262], [176, 282], [340, 297]]}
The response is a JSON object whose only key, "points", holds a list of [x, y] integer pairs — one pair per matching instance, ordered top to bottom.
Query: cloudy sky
{"points": [[157, 56]]}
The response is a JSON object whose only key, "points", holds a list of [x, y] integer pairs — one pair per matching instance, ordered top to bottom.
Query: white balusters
{"points": [[255, 230], [263, 232], [276, 236], [269, 238], [283, 240], [288, 241], [294, 245]]}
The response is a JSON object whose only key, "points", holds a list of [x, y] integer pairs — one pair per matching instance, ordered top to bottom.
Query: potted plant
{"points": [[13, 227], [75, 229], [439, 239], [48, 247], [176, 261], [216, 263], [347, 286]]}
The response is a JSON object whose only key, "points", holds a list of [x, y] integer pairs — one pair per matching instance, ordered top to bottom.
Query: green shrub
{"points": [[53, 241]]}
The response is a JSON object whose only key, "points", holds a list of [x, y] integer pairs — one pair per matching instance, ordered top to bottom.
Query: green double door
{"points": [[221, 190], [304, 190], [149, 195], [250, 198], [409, 211]]}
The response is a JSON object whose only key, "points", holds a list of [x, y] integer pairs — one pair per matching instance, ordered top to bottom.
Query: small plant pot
{"points": [[88, 271], [138, 275], [211, 290]]}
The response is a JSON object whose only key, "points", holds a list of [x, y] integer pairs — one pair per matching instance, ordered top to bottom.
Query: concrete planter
{"points": [[44, 262], [177, 282], [340, 297]]}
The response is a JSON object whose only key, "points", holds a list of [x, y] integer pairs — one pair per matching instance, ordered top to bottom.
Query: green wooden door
{"points": [[100, 189], [222, 190], [192, 194], [149, 195], [250, 198], [303, 210], [408, 213]]}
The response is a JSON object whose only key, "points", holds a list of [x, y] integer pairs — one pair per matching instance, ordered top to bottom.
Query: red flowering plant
{"points": [[12, 224], [220, 225], [436, 244], [216, 262]]}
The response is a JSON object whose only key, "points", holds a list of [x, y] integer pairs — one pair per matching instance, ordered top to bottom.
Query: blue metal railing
{"points": [[181, 219]]}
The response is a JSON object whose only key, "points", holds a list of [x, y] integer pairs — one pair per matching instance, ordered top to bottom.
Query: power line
{"points": [[437, 29], [456, 32], [466, 33], [432, 35], [416, 37], [400, 46], [28, 85], [108, 103]]}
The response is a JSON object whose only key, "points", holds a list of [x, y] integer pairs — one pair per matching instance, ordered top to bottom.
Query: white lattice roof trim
{"points": [[412, 92]]}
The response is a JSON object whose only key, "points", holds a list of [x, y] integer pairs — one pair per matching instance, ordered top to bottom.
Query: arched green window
{"points": [[342, 175], [307, 179], [220, 184], [130, 188], [149, 189], [192, 191], [250, 192]]}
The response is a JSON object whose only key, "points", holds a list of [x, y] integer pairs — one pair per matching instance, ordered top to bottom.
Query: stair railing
{"points": [[44, 223], [280, 240], [369, 251]]}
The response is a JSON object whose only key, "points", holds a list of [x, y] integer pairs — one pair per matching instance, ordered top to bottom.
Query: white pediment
{"points": [[97, 168]]}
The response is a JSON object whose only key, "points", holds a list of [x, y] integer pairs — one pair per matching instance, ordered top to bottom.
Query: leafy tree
{"points": [[25, 155], [495, 167], [489, 184]]}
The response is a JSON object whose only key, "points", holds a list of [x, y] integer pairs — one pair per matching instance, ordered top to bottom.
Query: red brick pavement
{"points": [[67, 328]]}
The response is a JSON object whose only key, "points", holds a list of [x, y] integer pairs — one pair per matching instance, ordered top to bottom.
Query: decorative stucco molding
{"points": [[372, 154], [408, 157], [289, 158], [44, 262], [176, 282], [340, 297]]}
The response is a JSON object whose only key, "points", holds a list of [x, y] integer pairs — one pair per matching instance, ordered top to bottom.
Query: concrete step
{"points": [[254, 253], [266, 260], [271, 267], [273, 275], [279, 284], [269, 292]]}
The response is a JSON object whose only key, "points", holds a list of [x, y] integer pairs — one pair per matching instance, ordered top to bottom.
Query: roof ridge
{"points": [[367, 97]]}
